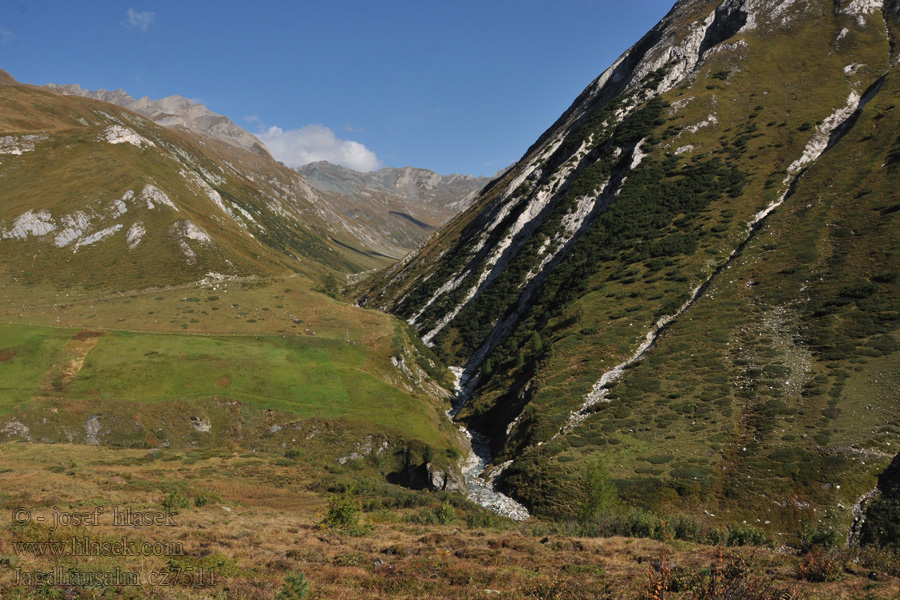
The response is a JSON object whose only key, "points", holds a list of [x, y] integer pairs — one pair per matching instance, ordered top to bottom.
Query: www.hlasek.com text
{"points": [[87, 546]]}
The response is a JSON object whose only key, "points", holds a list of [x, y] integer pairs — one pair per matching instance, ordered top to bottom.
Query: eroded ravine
{"points": [[481, 481]]}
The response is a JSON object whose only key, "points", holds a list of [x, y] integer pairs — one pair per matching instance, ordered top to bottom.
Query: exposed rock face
{"points": [[173, 111], [12, 144], [434, 191], [36, 223], [201, 425], [14, 428], [92, 431], [448, 481]]}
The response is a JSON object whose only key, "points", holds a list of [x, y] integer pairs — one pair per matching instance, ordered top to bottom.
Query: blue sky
{"points": [[456, 87]]}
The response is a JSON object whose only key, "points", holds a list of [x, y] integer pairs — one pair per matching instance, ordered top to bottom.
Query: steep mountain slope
{"points": [[173, 111], [96, 195], [396, 209], [383, 215], [692, 276]]}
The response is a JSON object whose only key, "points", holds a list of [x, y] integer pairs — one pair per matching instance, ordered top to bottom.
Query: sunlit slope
{"points": [[97, 196], [692, 274], [164, 289], [249, 365], [780, 383]]}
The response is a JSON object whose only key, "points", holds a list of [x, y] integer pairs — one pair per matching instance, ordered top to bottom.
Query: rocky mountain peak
{"points": [[174, 111], [407, 182], [396, 208]]}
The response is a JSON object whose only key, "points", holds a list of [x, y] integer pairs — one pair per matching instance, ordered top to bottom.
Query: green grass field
{"points": [[26, 355], [244, 356], [303, 376]]}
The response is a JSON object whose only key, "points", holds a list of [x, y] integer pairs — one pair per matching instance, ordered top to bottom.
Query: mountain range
{"points": [[173, 111], [416, 201], [223, 205], [391, 209]]}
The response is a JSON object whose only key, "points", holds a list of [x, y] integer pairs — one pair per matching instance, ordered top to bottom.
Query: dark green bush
{"points": [[342, 512], [746, 535], [816, 538], [295, 587]]}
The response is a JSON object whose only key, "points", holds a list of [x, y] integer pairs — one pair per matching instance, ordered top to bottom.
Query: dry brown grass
{"points": [[279, 305], [262, 522]]}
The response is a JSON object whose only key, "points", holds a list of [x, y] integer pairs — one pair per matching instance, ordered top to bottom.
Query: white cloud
{"points": [[141, 20], [6, 36], [297, 147]]}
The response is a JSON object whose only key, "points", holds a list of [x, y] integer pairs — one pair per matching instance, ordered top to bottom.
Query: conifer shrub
{"points": [[343, 511]]}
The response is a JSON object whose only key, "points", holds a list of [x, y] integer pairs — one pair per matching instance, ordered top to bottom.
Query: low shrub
{"points": [[175, 501], [342, 512], [746, 535], [816, 538], [883, 559], [821, 566], [728, 578], [295, 587]]}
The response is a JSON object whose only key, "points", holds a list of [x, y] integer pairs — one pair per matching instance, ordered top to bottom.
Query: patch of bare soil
{"points": [[61, 375]]}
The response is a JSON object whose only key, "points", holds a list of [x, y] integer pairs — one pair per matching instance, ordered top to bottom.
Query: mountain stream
{"points": [[481, 482]]}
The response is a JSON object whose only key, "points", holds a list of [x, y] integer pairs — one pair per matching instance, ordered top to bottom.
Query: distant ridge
{"points": [[7, 79], [173, 111], [452, 191], [381, 205]]}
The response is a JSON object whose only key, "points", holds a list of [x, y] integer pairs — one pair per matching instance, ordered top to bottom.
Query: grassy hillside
{"points": [[98, 197], [163, 289], [232, 350], [787, 362], [781, 373], [771, 398]]}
